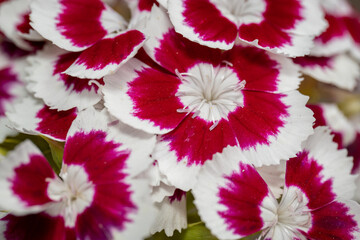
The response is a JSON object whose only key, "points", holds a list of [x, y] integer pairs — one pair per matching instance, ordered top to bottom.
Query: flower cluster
{"points": [[122, 112]]}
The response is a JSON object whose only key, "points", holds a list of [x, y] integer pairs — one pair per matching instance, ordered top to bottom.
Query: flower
{"points": [[89, 26], [285, 27], [203, 100], [95, 196], [234, 201]]}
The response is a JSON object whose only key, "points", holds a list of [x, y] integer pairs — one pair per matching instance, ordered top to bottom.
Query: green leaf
{"points": [[57, 152], [197, 232]]}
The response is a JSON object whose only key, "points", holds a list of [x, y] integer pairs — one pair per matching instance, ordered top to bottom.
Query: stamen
{"points": [[227, 63], [91, 82], [210, 92], [214, 125]]}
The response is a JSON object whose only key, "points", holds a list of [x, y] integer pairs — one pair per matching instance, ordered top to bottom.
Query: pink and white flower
{"points": [[89, 26], [286, 27], [204, 100], [96, 196], [234, 201]]}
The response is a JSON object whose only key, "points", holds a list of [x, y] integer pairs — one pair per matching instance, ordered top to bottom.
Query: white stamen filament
{"points": [[210, 92], [71, 195], [292, 215]]}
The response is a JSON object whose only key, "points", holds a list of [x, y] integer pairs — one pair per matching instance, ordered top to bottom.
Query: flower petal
{"points": [[190, 18], [14, 23], [74, 24], [293, 36], [107, 55], [331, 69], [58, 90], [143, 97], [327, 114], [33, 117], [326, 169], [24, 175], [232, 199], [171, 215], [338, 220], [35, 226]]}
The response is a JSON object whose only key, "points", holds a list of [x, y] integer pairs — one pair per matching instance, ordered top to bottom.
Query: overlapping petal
{"points": [[259, 22], [331, 69], [59, 90], [32, 116], [306, 209]]}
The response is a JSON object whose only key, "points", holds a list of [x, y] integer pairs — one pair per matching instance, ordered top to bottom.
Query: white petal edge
{"points": [[44, 85], [20, 155], [335, 162], [171, 216]]}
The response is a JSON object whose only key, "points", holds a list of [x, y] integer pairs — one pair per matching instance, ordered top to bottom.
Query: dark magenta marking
{"points": [[146, 5], [279, 16], [79, 21], [24, 25], [353, 26], [215, 28], [336, 29], [11, 50], [110, 50], [176, 52], [312, 61], [255, 66], [7, 79], [78, 85], [153, 96], [260, 118], [321, 121], [55, 123], [193, 140], [354, 151], [105, 166], [310, 180], [29, 182], [177, 196], [242, 196], [333, 221], [36, 226]]}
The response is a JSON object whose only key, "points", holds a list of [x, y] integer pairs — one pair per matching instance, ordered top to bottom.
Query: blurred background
{"points": [[356, 3]]}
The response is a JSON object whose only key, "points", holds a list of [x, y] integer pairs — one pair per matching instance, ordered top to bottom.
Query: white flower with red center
{"points": [[89, 26], [282, 26], [59, 90], [203, 100], [96, 196], [234, 201]]}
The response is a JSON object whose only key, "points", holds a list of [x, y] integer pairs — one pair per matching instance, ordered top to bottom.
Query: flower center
{"points": [[242, 11], [210, 92], [71, 195], [293, 213]]}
